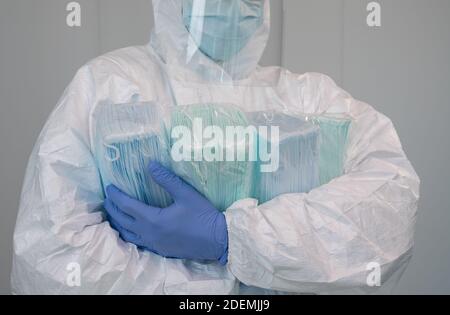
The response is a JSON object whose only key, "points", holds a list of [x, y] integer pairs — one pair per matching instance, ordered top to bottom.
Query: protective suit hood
{"points": [[176, 47]]}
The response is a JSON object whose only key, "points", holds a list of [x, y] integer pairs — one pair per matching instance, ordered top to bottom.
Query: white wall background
{"points": [[402, 68]]}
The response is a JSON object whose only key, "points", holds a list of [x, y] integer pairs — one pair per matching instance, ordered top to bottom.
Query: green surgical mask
{"points": [[222, 28]]}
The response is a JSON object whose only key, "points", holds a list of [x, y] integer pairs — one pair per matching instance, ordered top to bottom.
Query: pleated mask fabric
{"points": [[334, 132], [127, 137], [298, 146], [222, 181]]}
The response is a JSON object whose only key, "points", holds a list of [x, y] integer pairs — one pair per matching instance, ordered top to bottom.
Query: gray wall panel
{"points": [[124, 23], [313, 36]]}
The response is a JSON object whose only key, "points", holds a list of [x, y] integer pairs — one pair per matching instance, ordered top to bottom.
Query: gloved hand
{"points": [[191, 228]]}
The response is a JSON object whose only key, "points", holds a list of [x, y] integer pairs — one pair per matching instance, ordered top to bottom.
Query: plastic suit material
{"points": [[317, 242]]}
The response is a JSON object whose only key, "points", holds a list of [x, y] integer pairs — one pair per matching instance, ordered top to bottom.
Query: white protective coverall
{"points": [[320, 242]]}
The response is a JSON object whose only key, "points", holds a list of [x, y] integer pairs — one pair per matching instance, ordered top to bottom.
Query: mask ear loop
{"points": [[116, 153]]}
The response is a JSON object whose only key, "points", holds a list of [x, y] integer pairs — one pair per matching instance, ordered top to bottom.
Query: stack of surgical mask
{"points": [[334, 133], [127, 137], [309, 152], [297, 169], [221, 179]]}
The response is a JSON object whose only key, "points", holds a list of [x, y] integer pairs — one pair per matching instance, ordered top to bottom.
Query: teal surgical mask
{"points": [[222, 28]]}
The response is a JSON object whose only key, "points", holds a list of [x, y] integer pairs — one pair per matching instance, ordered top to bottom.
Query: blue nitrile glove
{"points": [[191, 228]]}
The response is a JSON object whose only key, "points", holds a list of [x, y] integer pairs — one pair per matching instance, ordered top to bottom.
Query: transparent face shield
{"points": [[224, 38]]}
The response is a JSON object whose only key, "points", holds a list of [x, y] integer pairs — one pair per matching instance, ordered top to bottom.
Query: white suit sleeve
{"points": [[332, 237], [62, 243]]}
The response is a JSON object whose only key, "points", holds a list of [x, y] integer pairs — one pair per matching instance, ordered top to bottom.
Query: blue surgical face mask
{"points": [[222, 28]]}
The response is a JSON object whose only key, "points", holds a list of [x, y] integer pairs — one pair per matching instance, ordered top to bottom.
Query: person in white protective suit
{"points": [[323, 241]]}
